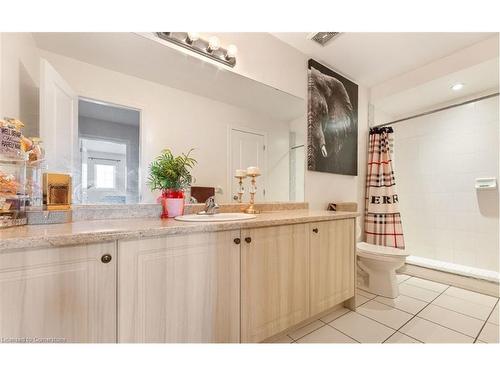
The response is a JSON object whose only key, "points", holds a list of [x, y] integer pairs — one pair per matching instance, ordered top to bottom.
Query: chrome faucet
{"points": [[210, 207]]}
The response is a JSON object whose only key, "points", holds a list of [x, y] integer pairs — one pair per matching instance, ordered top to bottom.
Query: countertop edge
{"points": [[97, 236]]}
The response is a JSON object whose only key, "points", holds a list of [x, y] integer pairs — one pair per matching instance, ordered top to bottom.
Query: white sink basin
{"points": [[229, 216]]}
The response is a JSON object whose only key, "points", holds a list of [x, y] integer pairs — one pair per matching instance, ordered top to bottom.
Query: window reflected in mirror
{"points": [[109, 151]]}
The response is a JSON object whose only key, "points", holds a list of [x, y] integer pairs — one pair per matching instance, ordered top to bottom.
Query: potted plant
{"points": [[171, 175]]}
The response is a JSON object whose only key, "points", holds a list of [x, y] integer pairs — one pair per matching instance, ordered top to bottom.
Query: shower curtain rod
{"points": [[436, 110]]}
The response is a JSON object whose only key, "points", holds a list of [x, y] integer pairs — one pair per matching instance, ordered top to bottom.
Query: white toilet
{"points": [[378, 266]]}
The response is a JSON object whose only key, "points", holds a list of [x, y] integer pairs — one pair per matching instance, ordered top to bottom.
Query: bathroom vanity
{"points": [[147, 280]]}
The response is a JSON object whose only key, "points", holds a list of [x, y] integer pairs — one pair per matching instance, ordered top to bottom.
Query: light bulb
{"points": [[192, 37], [213, 44], [231, 52], [457, 86]]}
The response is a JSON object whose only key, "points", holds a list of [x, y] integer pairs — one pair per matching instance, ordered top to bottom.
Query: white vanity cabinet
{"points": [[180, 288], [58, 294]]}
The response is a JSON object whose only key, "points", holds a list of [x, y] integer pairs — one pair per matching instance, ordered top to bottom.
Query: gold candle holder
{"points": [[253, 172], [240, 175], [241, 189]]}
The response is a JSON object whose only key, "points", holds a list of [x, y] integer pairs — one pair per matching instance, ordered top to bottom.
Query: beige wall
{"points": [[19, 79]]}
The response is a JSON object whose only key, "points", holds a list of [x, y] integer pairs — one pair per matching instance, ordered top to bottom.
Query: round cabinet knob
{"points": [[315, 230], [248, 239], [237, 241], [106, 258]]}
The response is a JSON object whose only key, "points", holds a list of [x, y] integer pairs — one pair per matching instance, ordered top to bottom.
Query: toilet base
{"points": [[380, 277], [381, 284]]}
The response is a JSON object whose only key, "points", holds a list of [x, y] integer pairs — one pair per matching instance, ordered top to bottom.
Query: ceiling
{"points": [[372, 58], [479, 79], [108, 112], [107, 147]]}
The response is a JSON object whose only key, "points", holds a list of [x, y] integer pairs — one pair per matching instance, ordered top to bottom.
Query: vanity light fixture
{"points": [[192, 37], [213, 44], [210, 48], [457, 86]]}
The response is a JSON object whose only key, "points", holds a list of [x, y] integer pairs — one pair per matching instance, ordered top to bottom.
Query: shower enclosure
{"points": [[448, 223]]}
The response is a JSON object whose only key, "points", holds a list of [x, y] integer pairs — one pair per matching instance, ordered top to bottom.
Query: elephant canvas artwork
{"points": [[332, 121]]}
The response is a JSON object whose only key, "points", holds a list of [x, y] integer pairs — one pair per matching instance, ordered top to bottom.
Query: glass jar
{"points": [[13, 196]]}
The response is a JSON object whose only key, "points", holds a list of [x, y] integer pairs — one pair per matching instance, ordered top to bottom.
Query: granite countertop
{"points": [[118, 229]]}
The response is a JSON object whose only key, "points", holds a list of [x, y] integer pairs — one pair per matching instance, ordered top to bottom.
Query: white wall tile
{"points": [[438, 157]]}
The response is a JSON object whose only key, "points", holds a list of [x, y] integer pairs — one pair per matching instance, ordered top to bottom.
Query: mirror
{"points": [[106, 104]]}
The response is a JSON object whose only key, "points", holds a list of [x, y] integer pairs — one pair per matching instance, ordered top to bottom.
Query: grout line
{"points": [[422, 287], [466, 300], [429, 303], [397, 308], [348, 311], [418, 312], [458, 312], [376, 321], [486, 321], [451, 329], [314, 330], [397, 331], [353, 337], [414, 338], [297, 341], [359, 342], [383, 342]]}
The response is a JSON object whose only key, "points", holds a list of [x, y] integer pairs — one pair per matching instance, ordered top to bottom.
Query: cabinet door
{"points": [[332, 263], [274, 280], [183, 288], [61, 294]]}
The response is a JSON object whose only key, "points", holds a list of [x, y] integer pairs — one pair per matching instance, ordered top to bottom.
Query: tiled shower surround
{"points": [[437, 159]]}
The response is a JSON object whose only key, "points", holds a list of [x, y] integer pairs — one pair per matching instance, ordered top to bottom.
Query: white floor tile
{"points": [[402, 278], [427, 284], [417, 292], [364, 293], [361, 299], [481, 299], [402, 302], [462, 306], [384, 314], [334, 315], [494, 316], [452, 319], [361, 328], [429, 332], [489, 333], [297, 334], [326, 334], [399, 338], [283, 340]]}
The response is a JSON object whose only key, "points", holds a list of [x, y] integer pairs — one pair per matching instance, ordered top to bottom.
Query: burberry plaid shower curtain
{"points": [[382, 217]]}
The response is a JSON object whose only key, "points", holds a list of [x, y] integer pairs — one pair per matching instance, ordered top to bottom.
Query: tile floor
{"points": [[425, 312]]}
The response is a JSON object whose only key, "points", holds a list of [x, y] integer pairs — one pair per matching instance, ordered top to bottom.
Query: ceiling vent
{"points": [[323, 38]]}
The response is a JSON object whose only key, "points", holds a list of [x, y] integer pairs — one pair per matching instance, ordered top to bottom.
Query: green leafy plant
{"points": [[171, 172]]}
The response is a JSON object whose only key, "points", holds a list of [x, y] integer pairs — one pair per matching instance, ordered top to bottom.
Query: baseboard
{"points": [[469, 283]]}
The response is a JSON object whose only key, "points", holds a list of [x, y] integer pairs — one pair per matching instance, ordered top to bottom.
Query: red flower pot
{"points": [[172, 202]]}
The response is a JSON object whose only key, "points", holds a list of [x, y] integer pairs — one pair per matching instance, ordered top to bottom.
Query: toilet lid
{"points": [[369, 248]]}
